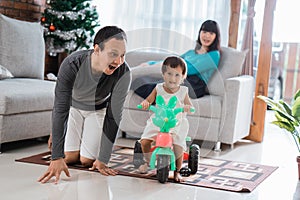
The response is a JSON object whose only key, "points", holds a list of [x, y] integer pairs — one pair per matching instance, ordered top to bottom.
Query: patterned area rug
{"points": [[212, 173]]}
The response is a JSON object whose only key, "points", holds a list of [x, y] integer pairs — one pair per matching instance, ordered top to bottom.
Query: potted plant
{"points": [[288, 118]]}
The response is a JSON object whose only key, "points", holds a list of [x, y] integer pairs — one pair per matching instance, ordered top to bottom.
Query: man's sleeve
{"points": [[63, 95], [113, 116]]}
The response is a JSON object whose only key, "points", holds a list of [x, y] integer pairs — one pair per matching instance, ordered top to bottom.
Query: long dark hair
{"points": [[210, 26]]}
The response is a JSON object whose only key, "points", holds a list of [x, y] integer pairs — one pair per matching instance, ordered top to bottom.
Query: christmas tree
{"points": [[69, 25]]}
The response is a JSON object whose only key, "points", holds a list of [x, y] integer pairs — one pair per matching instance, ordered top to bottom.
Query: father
{"points": [[89, 97]]}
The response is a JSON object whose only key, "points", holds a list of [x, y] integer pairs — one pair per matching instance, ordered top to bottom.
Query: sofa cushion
{"points": [[22, 47], [230, 65], [5, 73], [21, 95]]}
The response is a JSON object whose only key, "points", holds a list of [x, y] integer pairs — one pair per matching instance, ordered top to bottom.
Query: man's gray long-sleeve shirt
{"points": [[77, 86]]}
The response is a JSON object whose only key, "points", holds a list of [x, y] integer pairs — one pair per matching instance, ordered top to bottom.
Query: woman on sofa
{"points": [[202, 61]]}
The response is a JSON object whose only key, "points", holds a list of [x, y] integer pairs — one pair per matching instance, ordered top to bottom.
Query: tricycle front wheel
{"points": [[194, 155], [138, 157], [163, 163]]}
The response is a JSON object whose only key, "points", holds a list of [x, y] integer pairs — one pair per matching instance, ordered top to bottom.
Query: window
{"points": [[171, 25]]}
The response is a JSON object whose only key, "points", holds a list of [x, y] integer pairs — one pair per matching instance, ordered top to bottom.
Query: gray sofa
{"points": [[26, 99], [224, 116]]}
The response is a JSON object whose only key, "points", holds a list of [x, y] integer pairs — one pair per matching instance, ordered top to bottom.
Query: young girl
{"points": [[174, 72]]}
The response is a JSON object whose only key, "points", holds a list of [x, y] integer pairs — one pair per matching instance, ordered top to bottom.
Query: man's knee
{"points": [[145, 142], [71, 157], [86, 162]]}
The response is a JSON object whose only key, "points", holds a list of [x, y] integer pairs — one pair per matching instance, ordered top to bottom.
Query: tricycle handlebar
{"points": [[192, 109]]}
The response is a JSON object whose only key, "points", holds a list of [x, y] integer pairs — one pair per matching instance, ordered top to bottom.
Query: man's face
{"points": [[111, 57]]}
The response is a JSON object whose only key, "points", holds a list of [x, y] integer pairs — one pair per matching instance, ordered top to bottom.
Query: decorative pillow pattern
{"points": [[22, 47], [230, 65], [4, 73]]}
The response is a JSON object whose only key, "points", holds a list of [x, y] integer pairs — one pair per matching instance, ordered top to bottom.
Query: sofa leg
{"points": [[124, 135], [217, 147], [0, 149]]}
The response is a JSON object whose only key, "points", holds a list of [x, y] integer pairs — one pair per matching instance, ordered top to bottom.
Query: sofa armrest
{"points": [[236, 109]]}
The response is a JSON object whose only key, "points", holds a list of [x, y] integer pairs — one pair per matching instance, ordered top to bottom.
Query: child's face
{"points": [[173, 77]]}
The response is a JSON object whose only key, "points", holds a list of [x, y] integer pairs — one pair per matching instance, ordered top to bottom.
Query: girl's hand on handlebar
{"points": [[145, 104], [189, 109]]}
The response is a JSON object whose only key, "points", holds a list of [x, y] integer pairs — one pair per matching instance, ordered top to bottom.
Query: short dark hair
{"points": [[210, 26], [107, 33], [174, 62]]}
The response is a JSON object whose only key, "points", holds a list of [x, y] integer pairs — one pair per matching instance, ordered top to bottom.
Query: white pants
{"points": [[84, 132]]}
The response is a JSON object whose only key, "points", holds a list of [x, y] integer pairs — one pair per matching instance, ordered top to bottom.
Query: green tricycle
{"points": [[162, 155]]}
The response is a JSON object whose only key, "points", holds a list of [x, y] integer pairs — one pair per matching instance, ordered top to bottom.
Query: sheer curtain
{"points": [[170, 25], [248, 39]]}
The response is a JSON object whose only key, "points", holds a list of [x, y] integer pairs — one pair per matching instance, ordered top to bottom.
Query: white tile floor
{"points": [[18, 180]]}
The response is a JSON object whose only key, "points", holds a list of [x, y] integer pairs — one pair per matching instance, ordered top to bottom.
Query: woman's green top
{"points": [[202, 65]]}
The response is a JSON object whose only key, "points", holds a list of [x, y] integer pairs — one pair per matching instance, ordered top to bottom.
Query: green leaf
{"points": [[297, 94], [273, 104], [286, 107], [282, 109], [296, 109], [285, 115], [280, 118], [285, 125]]}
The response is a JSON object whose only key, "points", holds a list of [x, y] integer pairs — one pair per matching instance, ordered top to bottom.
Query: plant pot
{"points": [[298, 161]]}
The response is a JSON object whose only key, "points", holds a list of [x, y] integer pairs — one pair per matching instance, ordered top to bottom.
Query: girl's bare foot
{"points": [[143, 169], [177, 177]]}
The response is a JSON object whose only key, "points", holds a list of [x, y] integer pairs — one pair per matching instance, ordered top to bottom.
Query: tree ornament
{"points": [[43, 19], [52, 27]]}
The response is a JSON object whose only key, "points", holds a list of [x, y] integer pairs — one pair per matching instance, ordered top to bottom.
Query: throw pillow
{"points": [[22, 47], [230, 65], [5, 73]]}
